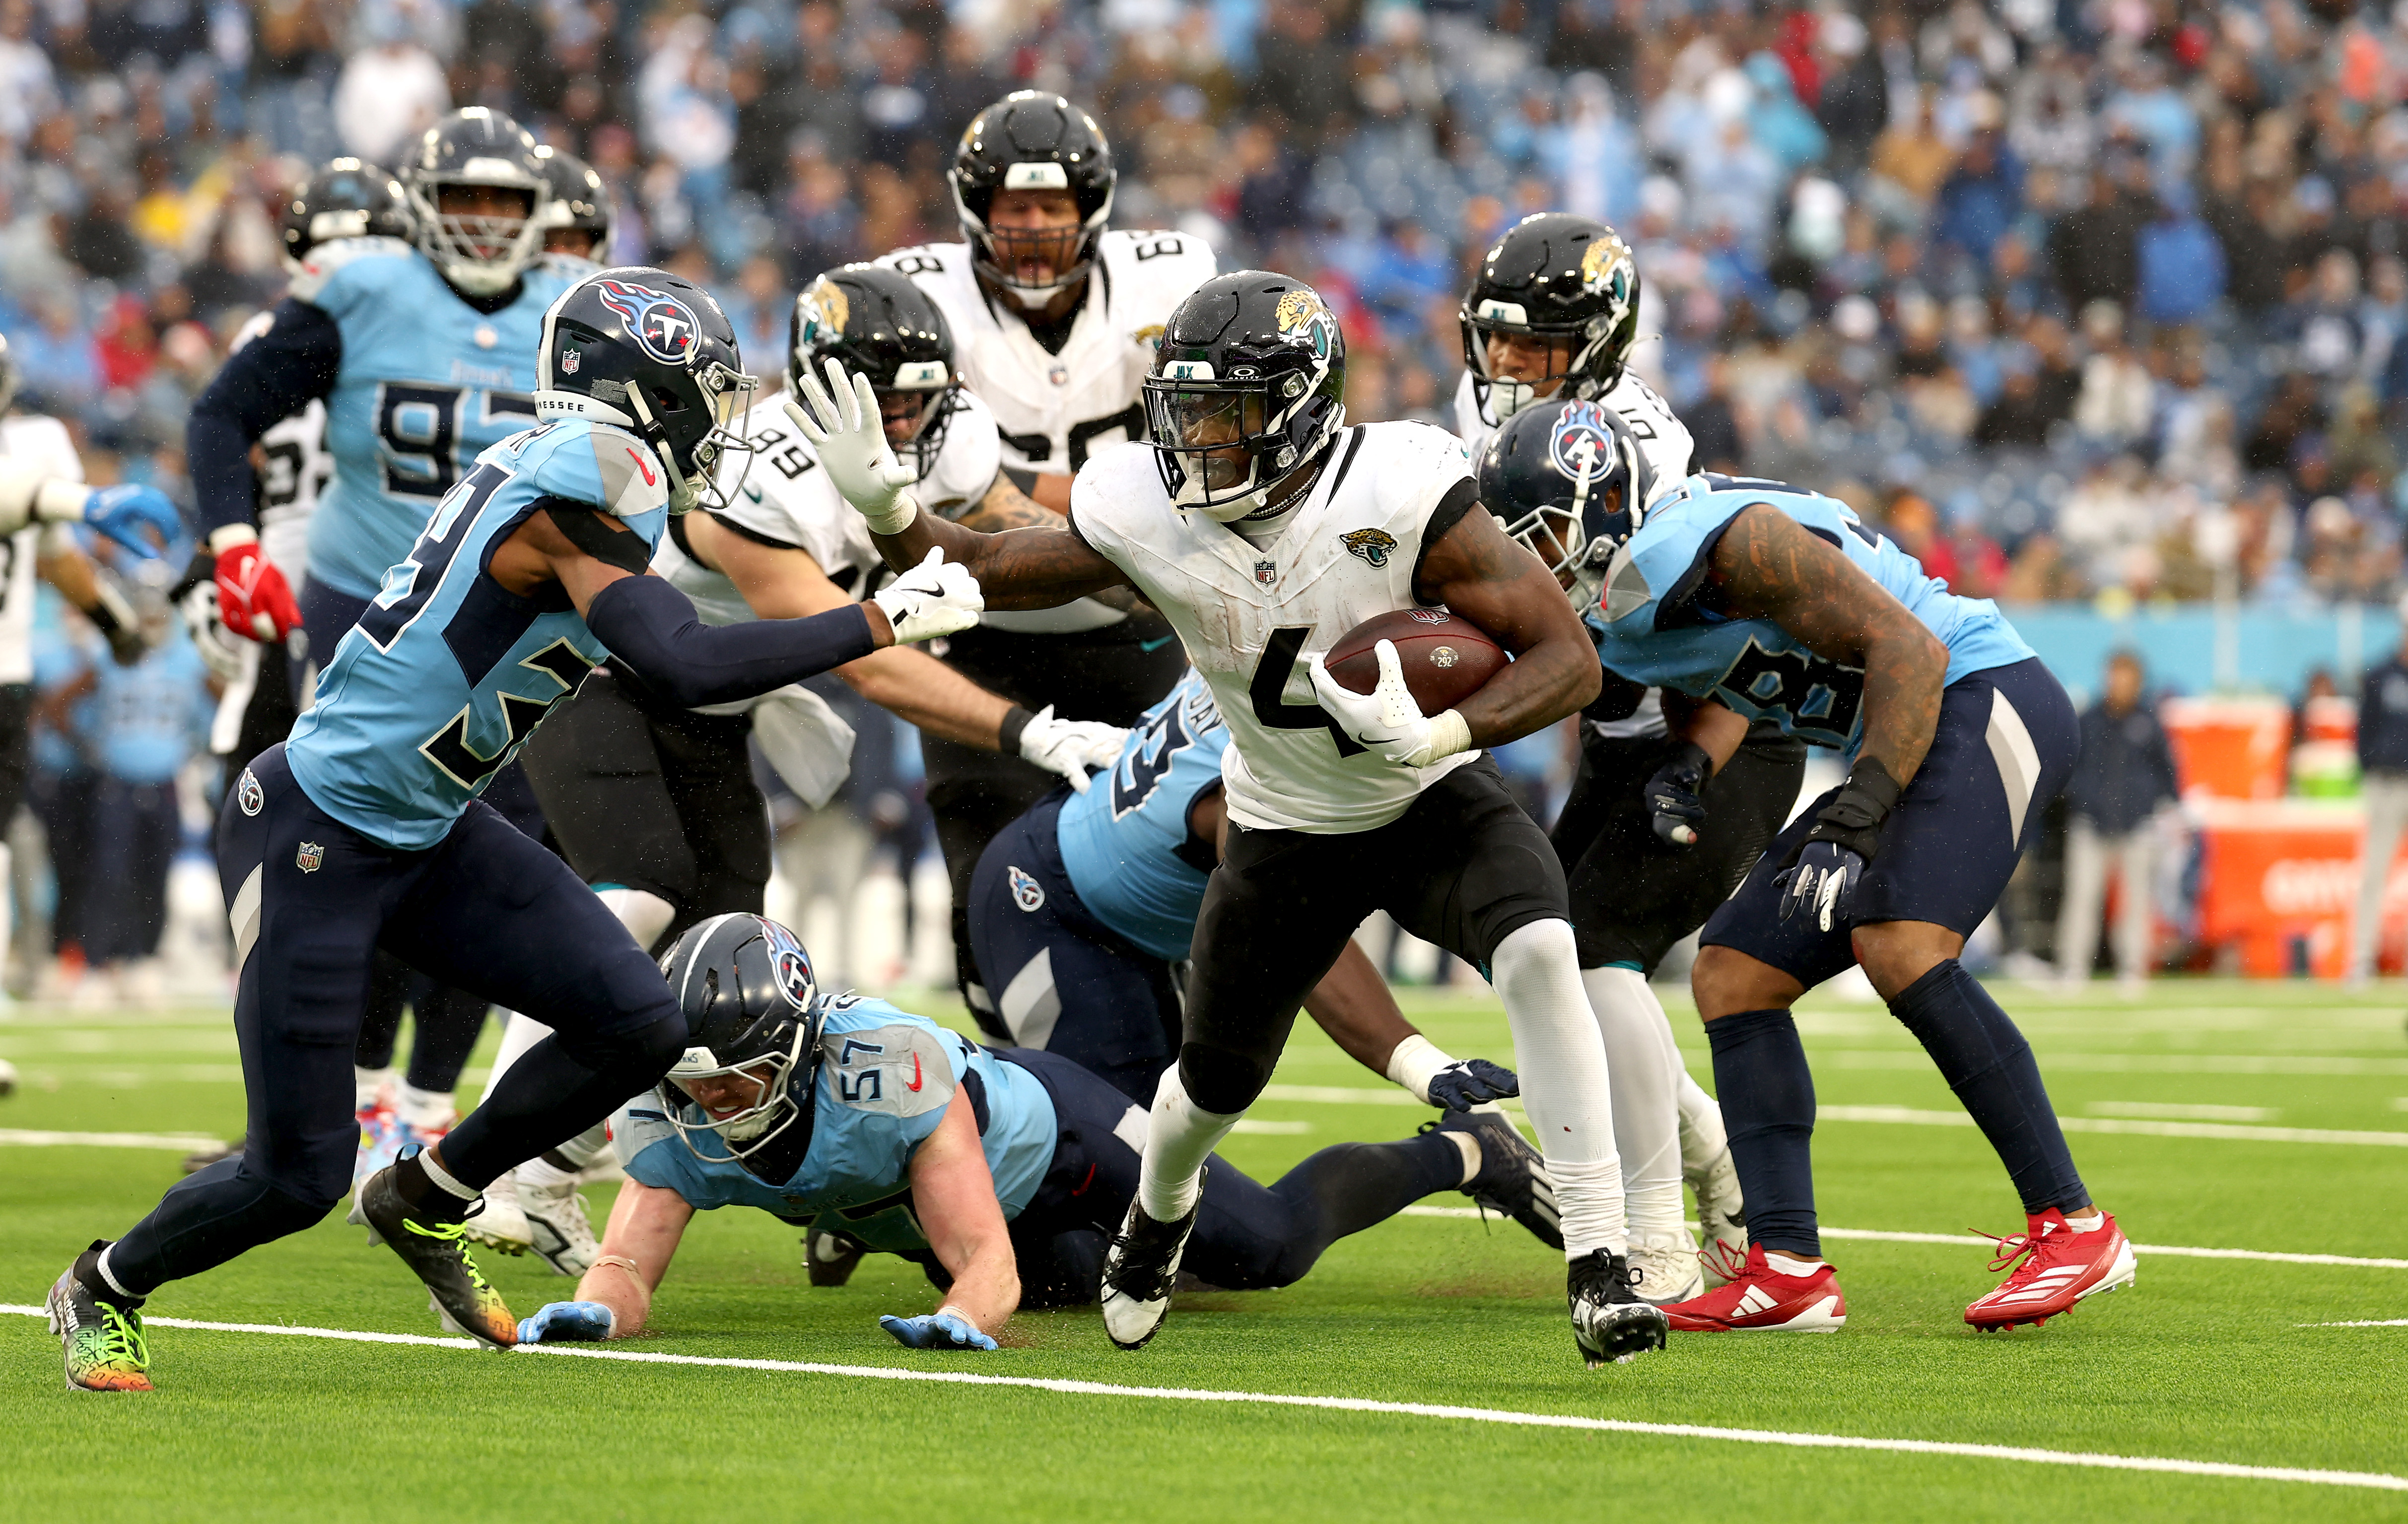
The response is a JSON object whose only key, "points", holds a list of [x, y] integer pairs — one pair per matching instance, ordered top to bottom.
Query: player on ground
{"points": [[1055, 320], [1265, 528], [1779, 605], [655, 806], [366, 827], [994, 1168]]}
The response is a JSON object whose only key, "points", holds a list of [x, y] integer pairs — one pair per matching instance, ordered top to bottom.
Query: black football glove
{"points": [[1672, 795], [1822, 875], [1467, 1082]]}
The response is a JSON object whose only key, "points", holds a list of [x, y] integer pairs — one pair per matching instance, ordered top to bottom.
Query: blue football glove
{"points": [[122, 512], [1672, 795], [1819, 883], [1467, 1082], [567, 1322], [941, 1329]]}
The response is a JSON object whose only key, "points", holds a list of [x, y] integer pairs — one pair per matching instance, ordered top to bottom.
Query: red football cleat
{"points": [[2059, 1268], [1760, 1298]]}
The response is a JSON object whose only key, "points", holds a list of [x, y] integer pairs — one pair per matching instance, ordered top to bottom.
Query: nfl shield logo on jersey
{"points": [[1267, 572], [249, 795], [308, 857], [1025, 892]]}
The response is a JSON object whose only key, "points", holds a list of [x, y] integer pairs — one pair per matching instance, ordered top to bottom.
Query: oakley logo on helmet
{"points": [[662, 326], [1581, 441], [794, 972]]}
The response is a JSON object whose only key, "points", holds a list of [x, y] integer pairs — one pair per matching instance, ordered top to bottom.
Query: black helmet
{"points": [[1032, 141], [349, 198], [578, 201], [479, 254], [1554, 276], [880, 325], [653, 353], [1251, 359], [1571, 483], [751, 1010]]}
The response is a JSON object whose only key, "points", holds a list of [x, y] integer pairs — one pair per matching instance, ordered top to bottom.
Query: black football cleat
{"points": [[1512, 1179], [437, 1253], [830, 1257], [1141, 1271], [1611, 1322], [104, 1343]]}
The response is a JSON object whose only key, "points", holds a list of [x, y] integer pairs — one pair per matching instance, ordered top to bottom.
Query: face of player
{"points": [[490, 216], [1035, 233], [575, 241], [1536, 361], [903, 415], [1203, 418], [1546, 538], [724, 1095]]}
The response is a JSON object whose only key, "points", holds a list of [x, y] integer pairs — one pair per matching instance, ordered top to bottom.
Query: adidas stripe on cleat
{"points": [[1512, 1180], [2054, 1266], [1759, 1298], [1611, 1323]]}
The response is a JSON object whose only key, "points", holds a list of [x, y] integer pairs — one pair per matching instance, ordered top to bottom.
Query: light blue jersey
{"points": [[427, 382], [1649, 630], [441, 681], [1125, 842], [885, 1078]]}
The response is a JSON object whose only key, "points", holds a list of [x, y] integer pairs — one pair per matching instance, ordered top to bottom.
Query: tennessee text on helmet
{"points": [[1031, 140], [348, 198], [578, 201], [480, 252], [1567, 281], [881, 325], [653, 353], [1248, 386], [1570, 483], [753, 1013]]}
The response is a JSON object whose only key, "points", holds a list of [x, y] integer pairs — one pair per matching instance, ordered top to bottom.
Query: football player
{"points": [[576, 215], [1054, 317], [1265, 528], [1779, 605], [655, 806], [366, 827], [994, 1168]]}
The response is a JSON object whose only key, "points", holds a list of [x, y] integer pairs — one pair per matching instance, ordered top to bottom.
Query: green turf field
{"points": [[2259, 1118]]}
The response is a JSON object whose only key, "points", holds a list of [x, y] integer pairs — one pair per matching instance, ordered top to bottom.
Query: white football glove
{"points": [[843, 425], [937, 597], [222, 651], [1386, 721], [1070, 746]]}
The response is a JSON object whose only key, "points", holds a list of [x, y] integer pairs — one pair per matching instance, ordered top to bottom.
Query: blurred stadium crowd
{"points": [[2077, 298]]}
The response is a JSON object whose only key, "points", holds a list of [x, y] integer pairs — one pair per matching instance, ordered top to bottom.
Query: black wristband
{"points": [[1016, 721], [1689, 751], [1870, 777]]}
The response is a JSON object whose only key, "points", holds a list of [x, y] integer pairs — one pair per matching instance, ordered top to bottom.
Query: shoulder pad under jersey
{"points": [[337, 274], [901, 1069]]}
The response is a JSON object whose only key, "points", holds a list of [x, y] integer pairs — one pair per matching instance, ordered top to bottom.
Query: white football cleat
{"points": [[1722, 1217], [501, 1225], [558, 1227], [1664, 1266], [1142, 1269]]}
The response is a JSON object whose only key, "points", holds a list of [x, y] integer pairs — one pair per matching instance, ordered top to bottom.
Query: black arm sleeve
{"points": [[266, 382], [652, 632]]}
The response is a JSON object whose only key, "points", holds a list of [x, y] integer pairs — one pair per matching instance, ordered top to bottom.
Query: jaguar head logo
{"points": [[823, 307], [1370, 546]]}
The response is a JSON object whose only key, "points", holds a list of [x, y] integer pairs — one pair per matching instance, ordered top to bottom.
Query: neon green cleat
{"points": [[438, 1253], [105, 1347]]}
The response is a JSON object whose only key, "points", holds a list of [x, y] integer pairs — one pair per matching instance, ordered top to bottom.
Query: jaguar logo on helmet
{"points": [[1603, 264], [826, 309], [1303, 319], [662, 326], [1581, 441], [793, 968]]}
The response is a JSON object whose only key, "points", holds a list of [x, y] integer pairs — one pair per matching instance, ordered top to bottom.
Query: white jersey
{"points": [[1053, 411], [1665, 438], [42, 443], [296, 469], [786, 499], [1249, 616]]}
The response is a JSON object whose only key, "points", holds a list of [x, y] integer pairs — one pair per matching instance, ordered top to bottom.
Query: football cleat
{"points": [[378, 1147], [1512, 1179], [1722, 1217], [503, 1224], [563, 1234], [437, 1253], [830, 1257], [1664, 1266], [2059, 1266], [1140, 1269], [1760, 1298], [1611, 1322], [105, 1347]]}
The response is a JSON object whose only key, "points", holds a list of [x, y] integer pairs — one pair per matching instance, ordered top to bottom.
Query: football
{"points": [[1446, 657]]}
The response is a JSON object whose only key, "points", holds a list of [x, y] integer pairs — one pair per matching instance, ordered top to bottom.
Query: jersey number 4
{"points": [[1269, 690]]}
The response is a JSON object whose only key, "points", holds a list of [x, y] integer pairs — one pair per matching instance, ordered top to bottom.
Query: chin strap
{"points": [[681, 494]]}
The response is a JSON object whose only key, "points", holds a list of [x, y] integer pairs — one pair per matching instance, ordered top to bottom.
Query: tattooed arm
{"points": [[1006, 507], [1768, 566], [1037, 567], [1476, 571]]}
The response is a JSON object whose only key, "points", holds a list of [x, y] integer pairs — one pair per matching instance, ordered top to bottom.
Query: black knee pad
{"points": [[1219, 1080]]}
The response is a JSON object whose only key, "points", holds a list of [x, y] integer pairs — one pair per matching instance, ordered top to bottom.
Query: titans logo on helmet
{"points": [[662, 326], [1581, 441], [794, 972]]}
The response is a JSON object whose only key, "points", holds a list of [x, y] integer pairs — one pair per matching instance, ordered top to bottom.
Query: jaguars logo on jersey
{"points": [[1370, 546]]}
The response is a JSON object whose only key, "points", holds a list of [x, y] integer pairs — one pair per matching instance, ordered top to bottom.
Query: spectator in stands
{"points": [[2383, 773], [2123, 777]]}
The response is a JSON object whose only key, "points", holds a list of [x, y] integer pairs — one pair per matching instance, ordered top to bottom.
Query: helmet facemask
{"points": [[480, 252], [1070, 252], [1572, 372], [1224, 446], [711, 485], [746, 1130]]}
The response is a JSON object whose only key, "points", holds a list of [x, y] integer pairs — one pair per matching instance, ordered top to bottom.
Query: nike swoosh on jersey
{"points": [[646, 467], [1156, 643], [915, 1073]]}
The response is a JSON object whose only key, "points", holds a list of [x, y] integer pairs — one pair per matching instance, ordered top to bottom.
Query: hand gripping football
{"points": [[1445, 657]]}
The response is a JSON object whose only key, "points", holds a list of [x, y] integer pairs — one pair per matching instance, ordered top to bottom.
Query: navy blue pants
{"points": [[2003, 748], [135, 832], [487, 910], [1061, 981]]}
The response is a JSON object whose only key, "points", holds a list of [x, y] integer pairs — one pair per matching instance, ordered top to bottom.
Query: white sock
{"points": [[644, 914], [518, 1033], [1414, 1062], [1645, 1067], [366, 1083], [1564, 1085], [420, 1108], [1179, 1137], [1702, 1138], [1470, 1145], [587, 1148], [539, 1171], [443, 1180], [2087, 1222], [1781, 1264], [109, 1276]]}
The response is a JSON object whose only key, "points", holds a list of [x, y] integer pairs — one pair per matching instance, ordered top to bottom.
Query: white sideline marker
{"points": [[177, 1142], [2362, 1323], [2373, 1480]]}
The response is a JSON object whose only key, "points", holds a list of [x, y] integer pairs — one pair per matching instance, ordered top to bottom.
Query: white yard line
{"points": [[182, 1143], [2363, 1322], [2377, 1481]]}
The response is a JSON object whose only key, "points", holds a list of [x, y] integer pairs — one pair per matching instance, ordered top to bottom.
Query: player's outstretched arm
{"points": [[1769, 566], [1034, 567], [1475, 571], [954, 1194], [615, 1297]]}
